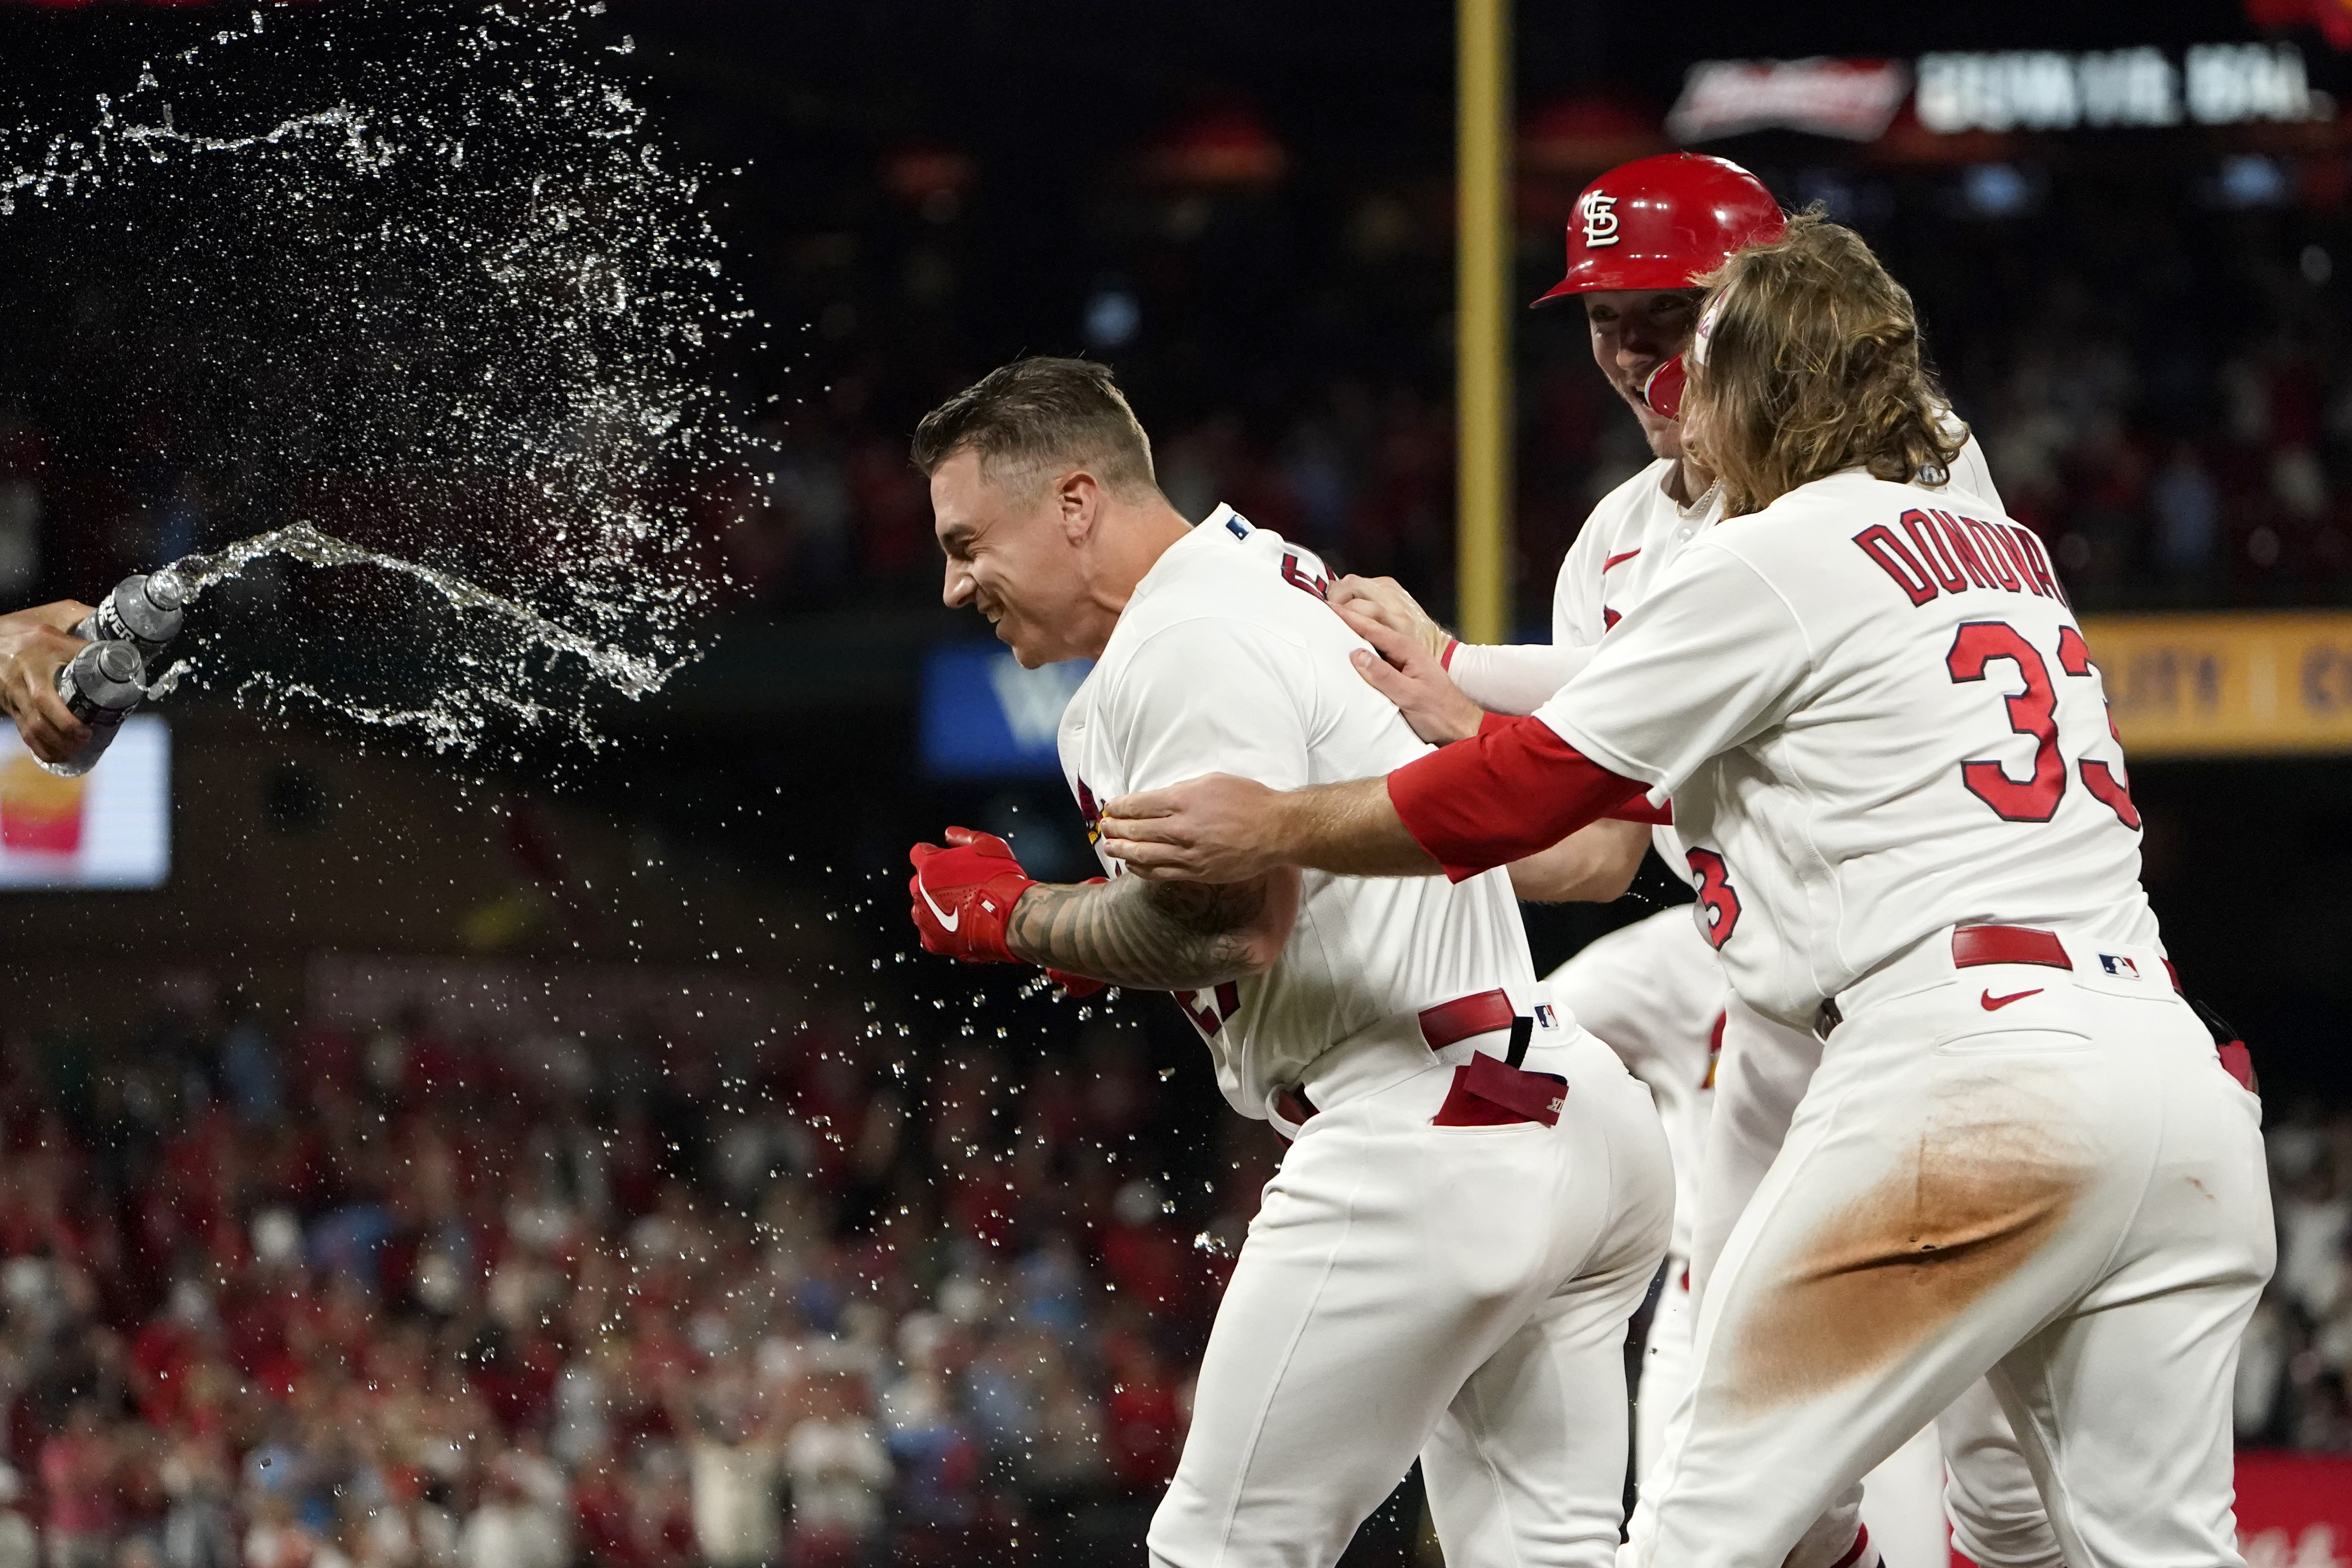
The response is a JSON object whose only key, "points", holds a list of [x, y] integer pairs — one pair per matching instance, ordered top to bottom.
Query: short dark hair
{"points": [[1037, 413]]}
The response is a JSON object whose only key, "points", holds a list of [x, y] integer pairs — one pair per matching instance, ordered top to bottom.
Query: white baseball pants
{"points": [[2066, 1194], [1454, 1293], [1665, 1369], [1901, 1500], [1996, 1514]]}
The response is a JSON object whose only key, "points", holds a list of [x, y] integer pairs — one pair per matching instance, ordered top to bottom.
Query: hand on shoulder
{"points": [[1384, 600]]}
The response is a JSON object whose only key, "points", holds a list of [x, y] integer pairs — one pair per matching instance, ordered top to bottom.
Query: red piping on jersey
{"points": [[1615, 560], [1445, 660], [1514, 788]]}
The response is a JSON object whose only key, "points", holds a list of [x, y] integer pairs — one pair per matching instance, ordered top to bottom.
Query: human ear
{"points": [[1077, 497]]}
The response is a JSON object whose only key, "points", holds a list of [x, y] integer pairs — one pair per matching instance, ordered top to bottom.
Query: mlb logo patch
{"points": [[2120, 966], [1545, 1018]]}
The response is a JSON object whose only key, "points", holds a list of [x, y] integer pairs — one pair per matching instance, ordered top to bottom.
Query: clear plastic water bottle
{"points": [[144, 610], [99, 685]]}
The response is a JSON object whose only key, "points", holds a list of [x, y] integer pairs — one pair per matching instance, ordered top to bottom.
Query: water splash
{"points": [[422, 291], [632, 676]]}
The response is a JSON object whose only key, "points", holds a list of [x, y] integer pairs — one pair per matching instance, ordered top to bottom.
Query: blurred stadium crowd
{"points": [[2153, 364], [2157, 387], [410, 1300], [417, 1300], [2295, 1373]]}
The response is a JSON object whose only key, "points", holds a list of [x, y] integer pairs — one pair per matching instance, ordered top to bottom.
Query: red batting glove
{"points": [[964, 893]]}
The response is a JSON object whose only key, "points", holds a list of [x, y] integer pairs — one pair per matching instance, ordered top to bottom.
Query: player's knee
{"points": [[1995, 1529], [1182, 1534]]}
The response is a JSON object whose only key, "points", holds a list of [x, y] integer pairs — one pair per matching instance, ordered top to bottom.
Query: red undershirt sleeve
{"points": [[1514, 788], [1637, 809]]}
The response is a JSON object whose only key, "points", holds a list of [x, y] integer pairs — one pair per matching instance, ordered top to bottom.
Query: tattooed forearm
{"points": [[1167, 936]]}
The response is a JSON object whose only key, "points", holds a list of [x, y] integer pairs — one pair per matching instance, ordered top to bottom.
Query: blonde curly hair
{"points": [[1809, 362]]}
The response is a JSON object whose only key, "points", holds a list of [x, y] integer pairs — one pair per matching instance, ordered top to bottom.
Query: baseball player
{"points": [[1643, 235], [1897, 784], [1654, 993], [1476, 1194]]}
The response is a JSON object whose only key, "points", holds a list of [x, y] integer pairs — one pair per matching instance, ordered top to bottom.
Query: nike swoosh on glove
{"points": [[964, 893]]}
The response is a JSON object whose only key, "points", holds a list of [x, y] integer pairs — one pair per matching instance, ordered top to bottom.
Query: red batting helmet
{"points": [[1664, 222]]}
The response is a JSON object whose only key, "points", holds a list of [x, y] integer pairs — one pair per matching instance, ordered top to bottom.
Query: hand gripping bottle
{"points": [[144, 610], [99, 685]]}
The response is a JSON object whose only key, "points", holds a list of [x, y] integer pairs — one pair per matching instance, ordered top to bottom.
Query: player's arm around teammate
{"points": [[1637, 242], [1899, 773], [1593, 865]]}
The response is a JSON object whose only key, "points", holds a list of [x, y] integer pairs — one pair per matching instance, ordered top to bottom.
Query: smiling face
{"points": [[1633, 332], [1014, 549]]}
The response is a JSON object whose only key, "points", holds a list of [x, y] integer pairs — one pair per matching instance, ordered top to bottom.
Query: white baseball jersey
{"points": [[1626, 545], [1623, 548], [1619, 557], [1227, 660], [1876, 717], [1654, 993], [1415, 1285]]}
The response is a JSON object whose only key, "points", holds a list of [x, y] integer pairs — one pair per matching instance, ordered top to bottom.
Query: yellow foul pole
{"points": [[1481, 311]]}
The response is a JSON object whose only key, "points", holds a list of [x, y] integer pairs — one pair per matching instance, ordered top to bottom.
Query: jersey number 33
{"points": [[2032, 712]]}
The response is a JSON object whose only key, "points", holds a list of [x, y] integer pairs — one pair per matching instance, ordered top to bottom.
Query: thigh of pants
{"points": [[1764, 1071], [1947, 1198], [1463, 1289]]}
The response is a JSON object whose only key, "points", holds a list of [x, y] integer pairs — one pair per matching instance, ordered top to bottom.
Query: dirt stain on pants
{"points": [[1993, 1175]]}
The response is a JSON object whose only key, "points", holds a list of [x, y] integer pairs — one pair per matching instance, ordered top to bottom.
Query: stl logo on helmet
{"points": [[1599, 219]]}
